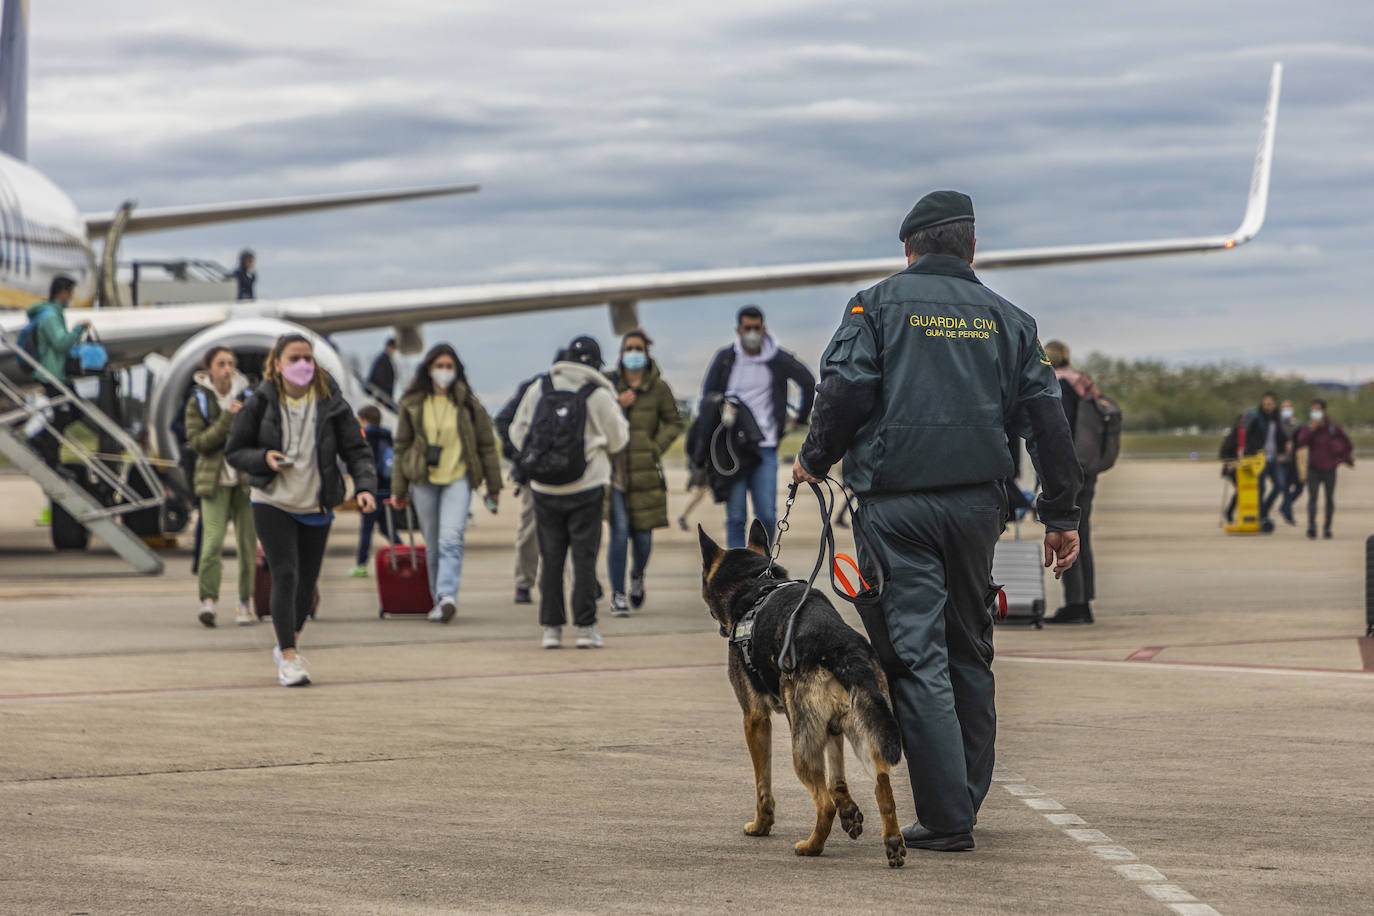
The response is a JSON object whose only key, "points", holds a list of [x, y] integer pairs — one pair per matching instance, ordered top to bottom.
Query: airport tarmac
{"points": [[1205, 747]]}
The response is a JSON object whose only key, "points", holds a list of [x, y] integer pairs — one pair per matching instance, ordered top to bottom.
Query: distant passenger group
{"points": [[585, 446]]}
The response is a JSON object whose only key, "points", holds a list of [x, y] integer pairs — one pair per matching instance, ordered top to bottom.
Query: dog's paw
{"points": [[852, 821], [758, 828], [806, 848], [896, 851]]}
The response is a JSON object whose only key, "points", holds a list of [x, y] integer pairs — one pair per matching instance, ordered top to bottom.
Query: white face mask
{"points": [[752, 340], [442, 377], [1286, 413], [1316, 416]]}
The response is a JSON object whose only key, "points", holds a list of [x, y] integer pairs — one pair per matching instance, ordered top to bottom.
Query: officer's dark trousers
{"points": [[938, 546], [1080, 581]]}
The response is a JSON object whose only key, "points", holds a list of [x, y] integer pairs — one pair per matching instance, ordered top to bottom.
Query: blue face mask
{"points": [[634, 360]]}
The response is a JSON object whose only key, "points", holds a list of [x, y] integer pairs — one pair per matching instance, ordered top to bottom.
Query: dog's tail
{"points": [[873, 724]]}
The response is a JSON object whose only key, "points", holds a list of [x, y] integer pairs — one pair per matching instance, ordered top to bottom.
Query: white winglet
{"points": [[1264, 159]]}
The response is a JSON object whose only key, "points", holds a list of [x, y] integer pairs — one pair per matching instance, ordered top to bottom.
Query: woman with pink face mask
{"points": [[288, 441]]}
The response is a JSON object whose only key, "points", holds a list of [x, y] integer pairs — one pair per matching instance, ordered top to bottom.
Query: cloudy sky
{"points": [[629, 136]]}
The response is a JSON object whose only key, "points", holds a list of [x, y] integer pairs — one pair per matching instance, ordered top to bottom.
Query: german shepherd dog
{"points": [[837, 688]]}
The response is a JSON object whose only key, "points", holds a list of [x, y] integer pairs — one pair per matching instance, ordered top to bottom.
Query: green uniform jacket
{"points": [[54, 340], [927, 375], [654, 425], [474, 429], [206, 434]]}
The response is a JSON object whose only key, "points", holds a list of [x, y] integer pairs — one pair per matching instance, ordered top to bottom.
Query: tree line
{"points": [[1155, 396]]}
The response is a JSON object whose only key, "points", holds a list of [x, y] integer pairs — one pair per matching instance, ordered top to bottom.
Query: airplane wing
{"points": [[157, 218], [129, 334]]}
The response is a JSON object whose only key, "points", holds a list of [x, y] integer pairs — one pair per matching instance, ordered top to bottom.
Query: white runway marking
{"points": [[1366, 676], [1043, 804], [1064, 820], [1112, 853], [1168, 893], [1175, 897]]}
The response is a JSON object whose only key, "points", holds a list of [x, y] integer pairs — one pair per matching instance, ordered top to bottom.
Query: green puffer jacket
{"points": [[654, 425], [474, 428], [207, 430]]}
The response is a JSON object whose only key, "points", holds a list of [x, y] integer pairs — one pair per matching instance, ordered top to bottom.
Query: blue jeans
{"points": [[762, 484], [443, 513], [371, 520], [621, 538]]}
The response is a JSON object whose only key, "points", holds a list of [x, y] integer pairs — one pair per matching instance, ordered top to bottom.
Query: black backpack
{"points": [[28, 341], [1097, 440], [555, 451]]}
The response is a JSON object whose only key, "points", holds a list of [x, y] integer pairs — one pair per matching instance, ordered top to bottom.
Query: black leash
{"points": [[787, 657]]}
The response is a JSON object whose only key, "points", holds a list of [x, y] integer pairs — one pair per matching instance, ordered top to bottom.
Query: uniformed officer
{"points": [[927, 374]]}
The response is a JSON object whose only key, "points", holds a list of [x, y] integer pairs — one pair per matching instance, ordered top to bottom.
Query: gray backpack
{"points": [[1097, 439]]}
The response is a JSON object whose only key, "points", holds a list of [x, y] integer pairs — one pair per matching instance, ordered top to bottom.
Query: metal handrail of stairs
{"points": [[84, 507]]}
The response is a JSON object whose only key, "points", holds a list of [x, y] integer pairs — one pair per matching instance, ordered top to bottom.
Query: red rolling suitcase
{"points": [[403, 576], [262, 590]]}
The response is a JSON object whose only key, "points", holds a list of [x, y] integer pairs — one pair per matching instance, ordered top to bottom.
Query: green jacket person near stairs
{"points": [[54, 343]]}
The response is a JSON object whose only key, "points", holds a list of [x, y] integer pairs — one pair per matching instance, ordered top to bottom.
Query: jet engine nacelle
{"points": [[244, 336]]}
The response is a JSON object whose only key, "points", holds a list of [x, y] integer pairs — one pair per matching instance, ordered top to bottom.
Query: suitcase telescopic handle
{"points": [[411, 522]]}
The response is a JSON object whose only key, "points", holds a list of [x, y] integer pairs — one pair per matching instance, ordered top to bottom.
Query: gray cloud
{"points": [[631, 137]]}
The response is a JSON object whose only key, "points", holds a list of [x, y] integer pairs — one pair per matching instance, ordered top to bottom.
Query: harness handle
{"points": [[787, 657]]}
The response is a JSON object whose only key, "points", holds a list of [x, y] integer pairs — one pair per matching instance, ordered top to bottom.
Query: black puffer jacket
{"points": [[338, 438]]}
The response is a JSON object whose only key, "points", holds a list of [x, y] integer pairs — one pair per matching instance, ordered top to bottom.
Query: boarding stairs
{"points": [[26, 412]]}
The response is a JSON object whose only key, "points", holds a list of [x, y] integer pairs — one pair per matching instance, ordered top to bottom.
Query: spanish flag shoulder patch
{"points": [[857, 310]]}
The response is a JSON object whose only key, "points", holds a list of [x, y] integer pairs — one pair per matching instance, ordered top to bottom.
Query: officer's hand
{"points": [[800, 475], [1061, 549]]}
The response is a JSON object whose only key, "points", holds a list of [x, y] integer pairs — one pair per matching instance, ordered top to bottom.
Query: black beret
{"points": [[936, 209]]}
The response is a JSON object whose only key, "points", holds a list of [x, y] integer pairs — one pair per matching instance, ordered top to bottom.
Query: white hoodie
{"points": [[751, 380], [607, 430], [228, 477]]}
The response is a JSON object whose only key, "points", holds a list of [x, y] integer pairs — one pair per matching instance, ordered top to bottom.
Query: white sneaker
{"points": [[619, 606], [443, 611], [207, 613], [245, 616], [553, 638], [588, 638], [291, 671]]}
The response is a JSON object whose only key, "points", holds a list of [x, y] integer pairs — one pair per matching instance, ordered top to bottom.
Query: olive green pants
{"points": [[230, 504], [933, 632]]}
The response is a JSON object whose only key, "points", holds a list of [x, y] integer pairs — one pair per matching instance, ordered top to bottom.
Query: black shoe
{"points": [[1288, 516], [682, 522], [1312, 533], [1327, 534], [637, 591], [522, 596], [1072, 613], [918, 837]]}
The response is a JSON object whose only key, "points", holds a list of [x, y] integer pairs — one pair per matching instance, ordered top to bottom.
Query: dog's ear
{"points": [[758, 539], [710, 550]]}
